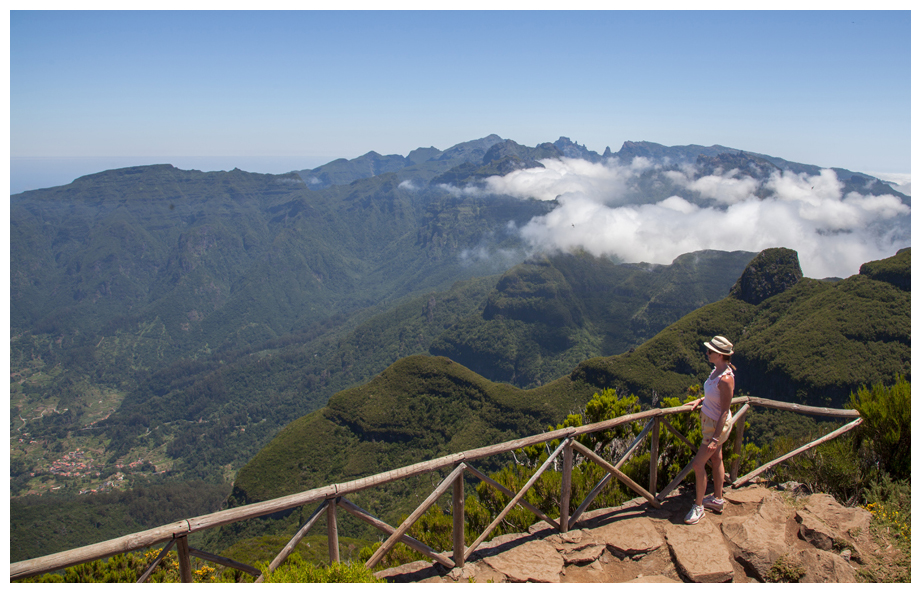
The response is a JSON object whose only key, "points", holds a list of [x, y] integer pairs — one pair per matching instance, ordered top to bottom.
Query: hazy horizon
{"points": [[31, 173]]}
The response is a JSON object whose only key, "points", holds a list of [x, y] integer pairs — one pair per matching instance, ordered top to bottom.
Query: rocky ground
{"points": [[762, 535]]}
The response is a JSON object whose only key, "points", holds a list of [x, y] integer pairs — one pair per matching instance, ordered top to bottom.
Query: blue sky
{"points": [[289, 90]]}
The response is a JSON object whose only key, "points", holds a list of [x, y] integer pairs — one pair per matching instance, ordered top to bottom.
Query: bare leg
{"points": [[700, 472], [719, 473]]}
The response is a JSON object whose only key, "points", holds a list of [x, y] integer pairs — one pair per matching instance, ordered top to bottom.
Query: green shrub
{"points": [[886, 427], [890, 504], [128, 568], [297, 570], [785, 570]]}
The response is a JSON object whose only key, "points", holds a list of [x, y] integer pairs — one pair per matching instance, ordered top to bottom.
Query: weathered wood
{"points": [[812, 410], [614, 422], [680, 436], [566, 443], [633, 445], [508, 446], [737, 446], [804, 448], [654, 456], [617, 473], [484, 478], [674, 483], [565, 489], [588, 499], [259, 509], [420, 510], [358, 512], [457, 520], [571, 521], [332, 532], [120, 545], [289, 547], [156, 562], [225, 562], [185, 563]]}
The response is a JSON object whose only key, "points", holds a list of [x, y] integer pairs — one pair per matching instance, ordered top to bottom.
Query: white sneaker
{"points": [[713, 503], [694, 515]]}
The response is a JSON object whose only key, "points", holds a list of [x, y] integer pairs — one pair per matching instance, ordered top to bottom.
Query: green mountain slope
{"points": [[141, 297], [550, 313], [809, 342], [813, 342], [299, 374], [421, 407]]}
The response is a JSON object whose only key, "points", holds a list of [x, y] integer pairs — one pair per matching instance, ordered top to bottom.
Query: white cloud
{"points": [[565, 176], [726, 190], [833, 234]]}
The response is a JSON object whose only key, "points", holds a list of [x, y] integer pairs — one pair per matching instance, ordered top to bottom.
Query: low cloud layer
{"points": [[833, 232]]}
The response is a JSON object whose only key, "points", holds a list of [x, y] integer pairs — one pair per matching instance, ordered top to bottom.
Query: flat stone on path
{"points": [[629, 537], [699, 552], [583, 555], [534, 561]]}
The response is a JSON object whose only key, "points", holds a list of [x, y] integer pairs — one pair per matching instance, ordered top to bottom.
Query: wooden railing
{"points": [[333, 497]]}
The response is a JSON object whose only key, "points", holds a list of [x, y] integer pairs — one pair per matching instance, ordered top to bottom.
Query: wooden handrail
{"points": [[178, 532]]}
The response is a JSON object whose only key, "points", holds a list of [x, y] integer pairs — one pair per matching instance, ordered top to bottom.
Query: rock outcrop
{"points": [[771, 272], [762, 535]]}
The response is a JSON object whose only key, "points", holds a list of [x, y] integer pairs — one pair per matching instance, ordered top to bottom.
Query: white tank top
{"points": [[711, 407]]}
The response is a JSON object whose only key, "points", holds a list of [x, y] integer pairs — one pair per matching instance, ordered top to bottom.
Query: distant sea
{"points": [[28, 173]]}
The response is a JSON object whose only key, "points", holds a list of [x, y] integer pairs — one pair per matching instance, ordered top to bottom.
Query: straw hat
{"points": [[720, 345]]}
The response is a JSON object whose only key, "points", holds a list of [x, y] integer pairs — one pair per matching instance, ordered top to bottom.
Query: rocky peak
{"points": [[743, 163], [771, 272]]}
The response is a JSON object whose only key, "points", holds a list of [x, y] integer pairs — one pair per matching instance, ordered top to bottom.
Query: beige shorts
{"points": [[708, 428]]}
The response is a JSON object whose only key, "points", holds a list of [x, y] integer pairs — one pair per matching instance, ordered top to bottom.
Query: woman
{"points": [[715, 426]]}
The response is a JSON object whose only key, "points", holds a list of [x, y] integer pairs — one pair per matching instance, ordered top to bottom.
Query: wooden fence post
{"points": [[737, 446], [588, 453], [654, 457], [448, 482], [566, 488], [518, 497], [457, 500], [332, 531], [185, 563]]}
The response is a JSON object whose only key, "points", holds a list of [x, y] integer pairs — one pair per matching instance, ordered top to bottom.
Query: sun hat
{"points": [[720, 345]]}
